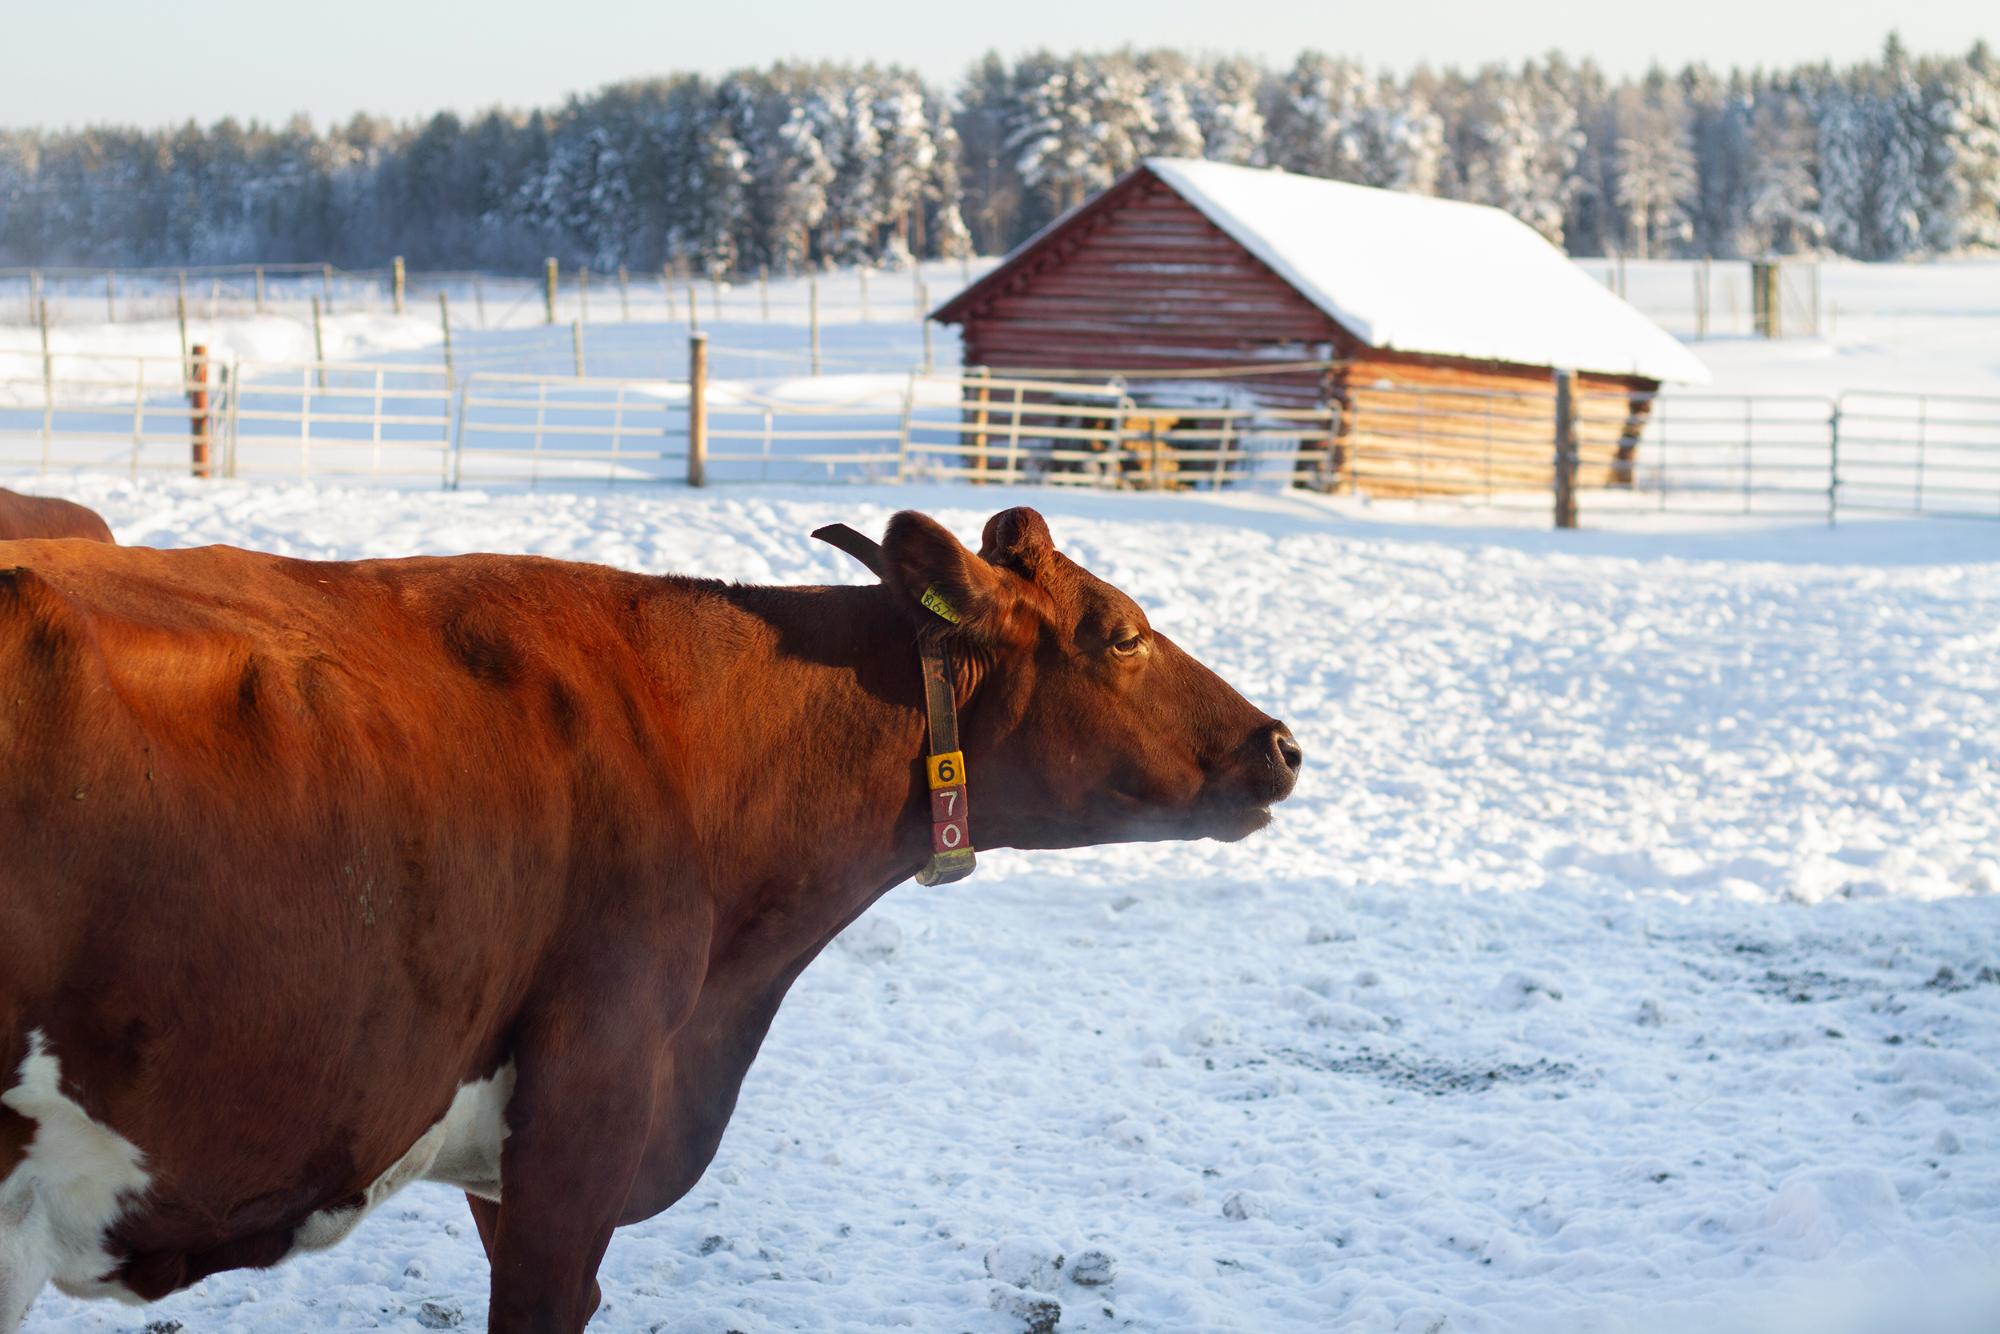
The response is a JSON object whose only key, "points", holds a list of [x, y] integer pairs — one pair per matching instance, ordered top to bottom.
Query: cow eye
{"points": [[1129, 644]]}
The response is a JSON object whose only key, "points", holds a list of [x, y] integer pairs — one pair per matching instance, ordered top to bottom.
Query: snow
{"points": [[1417, 274], [1629, 958]]}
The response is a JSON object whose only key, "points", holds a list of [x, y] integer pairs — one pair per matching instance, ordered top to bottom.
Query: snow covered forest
{"points": [[802, 164]]}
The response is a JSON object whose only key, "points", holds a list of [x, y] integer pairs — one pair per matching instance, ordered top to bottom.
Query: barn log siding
{"points": [[1139, 280], [1416, 426]]}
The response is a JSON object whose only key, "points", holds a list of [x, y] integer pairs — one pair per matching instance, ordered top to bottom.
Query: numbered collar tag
{"points": [[951, 810], [951, 828], [951, 831]]}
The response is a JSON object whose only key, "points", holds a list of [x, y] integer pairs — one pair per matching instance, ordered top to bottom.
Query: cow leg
{"points": [[577, 1124], [486, 1217]]}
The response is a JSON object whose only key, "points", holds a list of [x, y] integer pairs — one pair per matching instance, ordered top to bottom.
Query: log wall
{"points": [[1141, 281]]}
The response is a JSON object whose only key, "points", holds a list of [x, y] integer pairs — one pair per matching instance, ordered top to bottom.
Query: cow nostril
{"points": [[1287, 747]]}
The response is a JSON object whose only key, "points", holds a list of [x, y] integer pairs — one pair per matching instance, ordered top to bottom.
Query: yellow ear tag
{"points": [[935, 602]]}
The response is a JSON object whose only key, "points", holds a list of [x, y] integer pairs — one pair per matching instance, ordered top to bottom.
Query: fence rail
{"points": [[1863, 452]]}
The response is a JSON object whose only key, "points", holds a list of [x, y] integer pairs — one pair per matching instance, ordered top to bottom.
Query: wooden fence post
{"points": [[861, 272], [396, 276], [326, 286], [260, 289], [549, 290], [764, 290], [1701, 290], [583, 293], [624, 295], [1765, 297], [694, 307], [181, 314], [812, 316], [923, 321], [444, 322], [576, 343], [319, 344], [48, 386], [697, 409], [198, 412], [979, 419], [1565, 449]]}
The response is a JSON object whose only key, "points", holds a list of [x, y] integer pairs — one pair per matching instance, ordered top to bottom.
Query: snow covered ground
{"points": [[1925, 328], [1629, 958]]}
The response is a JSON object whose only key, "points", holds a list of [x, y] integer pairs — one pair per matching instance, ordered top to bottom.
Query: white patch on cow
{"points": [[462, 1150], [60, 1200]]}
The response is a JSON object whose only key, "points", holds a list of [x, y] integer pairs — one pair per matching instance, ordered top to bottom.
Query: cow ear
{"points": [[1017, 539], [941, 582]]}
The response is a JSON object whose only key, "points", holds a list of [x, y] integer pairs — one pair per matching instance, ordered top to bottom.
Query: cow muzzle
{"points": [[1275, 761]]}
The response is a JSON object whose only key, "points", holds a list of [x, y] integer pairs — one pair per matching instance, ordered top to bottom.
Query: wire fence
{"points": [[481, 301], [1864, 452]]}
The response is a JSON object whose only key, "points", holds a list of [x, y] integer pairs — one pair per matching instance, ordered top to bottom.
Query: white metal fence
{"points": [[1799, 456]]}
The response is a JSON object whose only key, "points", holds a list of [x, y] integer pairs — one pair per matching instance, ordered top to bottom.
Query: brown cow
{"points": [[46, 516], [320, 878]]}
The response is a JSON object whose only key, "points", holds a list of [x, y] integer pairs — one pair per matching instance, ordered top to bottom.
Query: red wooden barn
{"points": [[1433, 324]]}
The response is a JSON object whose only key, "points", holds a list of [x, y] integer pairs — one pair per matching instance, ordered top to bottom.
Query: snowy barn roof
{"points": [[1416, 274]]}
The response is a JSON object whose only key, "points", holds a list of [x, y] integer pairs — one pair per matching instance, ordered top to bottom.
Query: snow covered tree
{"points": [[1171, 80], [1225, 104], [987, 118], [1317, 120], [1085, 122], [846, 125], [1719, 136], [1903, 137], [1515, 146], [907, 156], [1894, 156], [1845, 162], [1656, 170], [794, 174], [1962, 175], [1781, 215], [948, 235]]}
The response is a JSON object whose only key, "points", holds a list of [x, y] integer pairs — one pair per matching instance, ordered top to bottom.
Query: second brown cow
{"points": [[48, 516]]}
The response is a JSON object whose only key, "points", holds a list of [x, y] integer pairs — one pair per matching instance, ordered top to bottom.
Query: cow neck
{"points": [[952, 857]]}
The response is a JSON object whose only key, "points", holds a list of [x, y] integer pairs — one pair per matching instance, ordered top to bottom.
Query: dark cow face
{"points": [[1086, 725]]}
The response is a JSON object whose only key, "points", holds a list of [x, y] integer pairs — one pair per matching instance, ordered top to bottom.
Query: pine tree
{"points": [[1170, 93], [1226, 113], [988, 114], [1082, 124], [846, 125], [907, 156], [1903, 159], [1845, 165], [1656, 172], [1963, 178], [1782, 214], [947, 233]]}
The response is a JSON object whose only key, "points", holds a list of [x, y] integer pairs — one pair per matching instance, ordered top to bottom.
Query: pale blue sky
{"points": [[150, 62]]}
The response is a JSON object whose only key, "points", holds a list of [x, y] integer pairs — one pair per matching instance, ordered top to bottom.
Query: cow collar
{"points": [[944, 765]]}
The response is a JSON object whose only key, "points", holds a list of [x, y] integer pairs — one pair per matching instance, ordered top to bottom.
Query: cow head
{"points": [[1082, 723]]}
